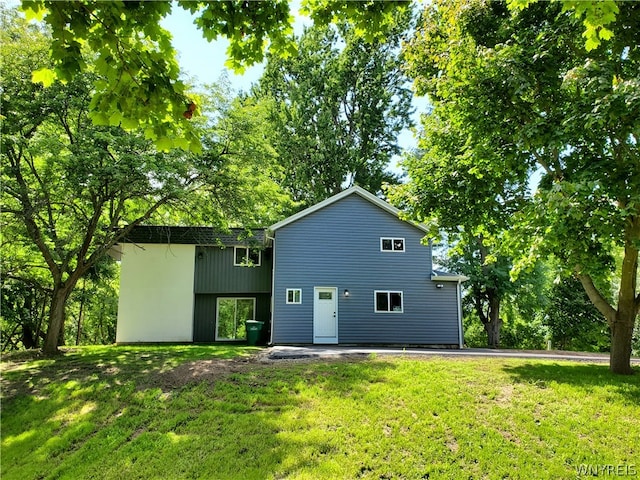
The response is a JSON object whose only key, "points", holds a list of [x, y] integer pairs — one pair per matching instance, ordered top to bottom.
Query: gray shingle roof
{"points": [[195, 236]]}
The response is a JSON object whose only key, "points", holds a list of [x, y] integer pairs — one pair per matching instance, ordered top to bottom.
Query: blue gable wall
{"points": [[339, 246]]}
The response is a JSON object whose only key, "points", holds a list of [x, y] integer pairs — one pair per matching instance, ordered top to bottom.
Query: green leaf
{"points": [[33, 11], [605, 33], [45, 76], [115, 118], [129, 123], [164, 144]]}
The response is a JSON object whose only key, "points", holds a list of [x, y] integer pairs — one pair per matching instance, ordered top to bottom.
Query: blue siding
{"points": [[339, 246]]}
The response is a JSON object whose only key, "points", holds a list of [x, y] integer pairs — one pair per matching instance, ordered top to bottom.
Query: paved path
{"points": [[292, 353]]}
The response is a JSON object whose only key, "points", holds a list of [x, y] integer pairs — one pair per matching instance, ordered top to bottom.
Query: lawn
{"points": [[172, 412]]}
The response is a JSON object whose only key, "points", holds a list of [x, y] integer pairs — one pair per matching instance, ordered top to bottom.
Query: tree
{"points": [[598, 15], [139, 85], [525, 88], [339, 105], [452, 189], [72, 190], [574, 323]]}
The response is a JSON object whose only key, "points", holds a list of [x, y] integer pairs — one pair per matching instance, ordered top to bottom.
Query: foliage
{"points": [[597, 15], [371, 20], [137, 76], [139, 84], [524, 89], [339, 105], [458, 188], [73, 189], [489, 292], [93, 307], [23, 314], [574, 323], [516, 332], [137, 413]]}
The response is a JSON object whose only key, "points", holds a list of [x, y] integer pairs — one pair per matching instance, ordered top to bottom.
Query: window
{"points": [[391, 244], [246, 257], [294, 296], [388, 302], [231, 315]]}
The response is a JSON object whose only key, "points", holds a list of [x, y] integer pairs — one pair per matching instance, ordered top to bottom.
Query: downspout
{"points": [[273, 285], [460, 332]]}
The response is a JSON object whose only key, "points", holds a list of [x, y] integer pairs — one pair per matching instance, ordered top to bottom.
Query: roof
{"points": [[361, 192], [195, 236], [442, 276]]}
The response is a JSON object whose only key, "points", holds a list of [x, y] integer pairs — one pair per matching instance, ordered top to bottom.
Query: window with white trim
{"points": [[388, 244], [246, 257], [294, 296], [387, 301]]}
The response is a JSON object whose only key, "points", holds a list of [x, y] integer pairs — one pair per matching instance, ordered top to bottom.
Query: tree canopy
{"points": [[139, 85], [525, 94], [339, 104], [72, 189]]}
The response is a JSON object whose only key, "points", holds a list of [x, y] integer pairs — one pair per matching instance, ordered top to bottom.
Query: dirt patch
{"points": [[199, 371], [211, 371], [506, 392]]}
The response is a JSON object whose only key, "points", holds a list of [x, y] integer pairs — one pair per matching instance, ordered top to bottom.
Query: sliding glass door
{"points": [[231, 315]]}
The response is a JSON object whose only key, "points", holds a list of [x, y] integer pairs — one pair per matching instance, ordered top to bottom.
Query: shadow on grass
{"points": [[30, 372], [586, 376], [96, 412]]}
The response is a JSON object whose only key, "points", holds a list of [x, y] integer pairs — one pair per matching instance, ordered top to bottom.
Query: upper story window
{"points": [[388, 244], [246, 257]]}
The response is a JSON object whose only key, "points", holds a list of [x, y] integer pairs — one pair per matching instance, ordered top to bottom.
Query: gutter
{"points": [[273, 282], [460, 329]]}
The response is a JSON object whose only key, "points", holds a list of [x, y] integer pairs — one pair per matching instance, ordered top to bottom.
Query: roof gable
{"points": [[361, 192]]}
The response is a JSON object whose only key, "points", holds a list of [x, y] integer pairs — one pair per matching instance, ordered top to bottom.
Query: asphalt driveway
{"points": [[281, 352]]}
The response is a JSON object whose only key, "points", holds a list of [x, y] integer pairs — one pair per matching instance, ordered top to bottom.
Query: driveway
{"points": [[307, 352]]}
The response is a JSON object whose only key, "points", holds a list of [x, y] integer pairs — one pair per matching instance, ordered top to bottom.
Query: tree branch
{"points": [[32, 227], [595, 296]]}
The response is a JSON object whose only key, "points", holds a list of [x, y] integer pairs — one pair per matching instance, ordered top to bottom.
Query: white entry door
{"points": [[325, 315]]}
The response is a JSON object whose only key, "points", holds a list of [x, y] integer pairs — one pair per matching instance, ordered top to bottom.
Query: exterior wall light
{"points": [[439, 285], [346, 292]]}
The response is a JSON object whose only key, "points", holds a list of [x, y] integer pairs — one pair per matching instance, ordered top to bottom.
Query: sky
{"points": [[203, 62]]}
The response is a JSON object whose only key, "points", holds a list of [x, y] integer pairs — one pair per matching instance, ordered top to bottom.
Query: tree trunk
{"points": [[81, 312], [56, 318], [491, 319], [623, 322], [493, 326], [493, 333], [621, 336], [28, 339]]}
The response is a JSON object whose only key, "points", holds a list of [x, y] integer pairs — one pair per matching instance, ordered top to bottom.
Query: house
{"points": [[345, 271], [192, 284]]}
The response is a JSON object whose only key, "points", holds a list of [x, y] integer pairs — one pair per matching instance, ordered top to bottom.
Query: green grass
{"points": [[148, 412]]}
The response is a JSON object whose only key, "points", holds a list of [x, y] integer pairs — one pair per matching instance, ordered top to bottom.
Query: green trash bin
{"points": [[254, 329]]}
